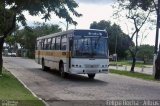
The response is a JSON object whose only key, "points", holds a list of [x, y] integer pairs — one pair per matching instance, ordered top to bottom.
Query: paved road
{"points": [[50, 86]]}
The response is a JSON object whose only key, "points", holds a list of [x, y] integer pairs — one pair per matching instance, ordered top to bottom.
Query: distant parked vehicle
{"points": [[8, 54], [12, 54]]}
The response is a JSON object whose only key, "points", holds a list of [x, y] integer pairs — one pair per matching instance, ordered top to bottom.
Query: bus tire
{"points": [[44, 68], [61, 69], [91, 76]]}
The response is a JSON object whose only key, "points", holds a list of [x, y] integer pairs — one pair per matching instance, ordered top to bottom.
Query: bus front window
{"points": [[91, 47]]}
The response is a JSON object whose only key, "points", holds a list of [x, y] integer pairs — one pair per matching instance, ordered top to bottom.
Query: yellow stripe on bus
{"points": [[53, 53]]}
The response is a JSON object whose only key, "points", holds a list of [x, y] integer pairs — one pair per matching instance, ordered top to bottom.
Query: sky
{"points": [[92, 10]]}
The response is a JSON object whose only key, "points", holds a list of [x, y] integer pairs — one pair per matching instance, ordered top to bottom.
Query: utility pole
{"points": [[156, 39], [116, 51]]}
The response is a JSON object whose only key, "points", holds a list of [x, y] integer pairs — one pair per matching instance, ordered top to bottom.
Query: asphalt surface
{"points": [[49, 86]]}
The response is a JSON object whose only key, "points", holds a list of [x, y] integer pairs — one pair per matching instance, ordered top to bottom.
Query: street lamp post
{"points": [[116, 51]]}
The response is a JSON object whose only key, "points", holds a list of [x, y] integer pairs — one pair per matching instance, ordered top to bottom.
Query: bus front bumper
{"points": [[87, 70]]}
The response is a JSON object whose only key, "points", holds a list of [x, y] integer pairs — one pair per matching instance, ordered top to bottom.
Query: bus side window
{"points": [[58, 40], [64, 42], [42, 44], [45, 44], [49, 44], [53, 44], [39, 45]]}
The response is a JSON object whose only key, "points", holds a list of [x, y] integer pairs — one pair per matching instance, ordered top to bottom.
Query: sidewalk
{"points": [[146, 70]]}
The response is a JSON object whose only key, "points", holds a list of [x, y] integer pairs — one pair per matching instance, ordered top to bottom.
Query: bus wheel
{"points": [[43, 66], [61, 69], [91, 76]]}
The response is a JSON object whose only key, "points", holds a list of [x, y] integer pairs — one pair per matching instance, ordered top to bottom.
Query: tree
{"points": [[144, 4], [147, 5], [12, 11], [138, 17], [42, 29], [115, 34], [24, 36], [10, 40], [145, 52], [157, 64]]}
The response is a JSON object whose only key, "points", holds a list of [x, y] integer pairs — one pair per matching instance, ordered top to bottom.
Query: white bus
{"points": [[74, 51]]}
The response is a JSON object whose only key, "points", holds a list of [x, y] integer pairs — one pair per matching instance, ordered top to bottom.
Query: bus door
{"points": [[70, 50]]}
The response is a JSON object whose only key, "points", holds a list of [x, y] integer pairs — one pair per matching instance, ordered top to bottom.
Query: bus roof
{"points": [[69, 32]]}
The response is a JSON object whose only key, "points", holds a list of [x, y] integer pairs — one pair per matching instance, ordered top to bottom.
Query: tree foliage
{"points": [[143, 4], [153, 6], [61, 8], [12, 11], [139, 16], [114, 33], [27, 38], [10, 40], [145, 52]]}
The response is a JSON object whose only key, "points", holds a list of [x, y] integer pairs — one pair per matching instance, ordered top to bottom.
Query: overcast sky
{"points": [[92, 10]]}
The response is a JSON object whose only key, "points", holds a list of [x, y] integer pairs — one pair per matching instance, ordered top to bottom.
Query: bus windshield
{"points": [[90, 47]]}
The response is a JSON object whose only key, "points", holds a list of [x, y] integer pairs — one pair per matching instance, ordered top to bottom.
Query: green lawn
{"points": [[135, 74], [11, 89]]}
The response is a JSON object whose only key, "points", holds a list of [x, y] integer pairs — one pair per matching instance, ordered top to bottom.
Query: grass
{"points": [[120, 63], [134, 74], [12, 91]]}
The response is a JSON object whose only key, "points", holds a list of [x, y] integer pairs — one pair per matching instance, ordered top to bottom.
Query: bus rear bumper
{"points": [[87, 70]]}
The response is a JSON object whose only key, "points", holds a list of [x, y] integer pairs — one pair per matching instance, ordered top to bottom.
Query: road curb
{"points": [[46, 104]]}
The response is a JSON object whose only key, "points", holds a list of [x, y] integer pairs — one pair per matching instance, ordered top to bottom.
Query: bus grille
{"points": [[91, 66]]}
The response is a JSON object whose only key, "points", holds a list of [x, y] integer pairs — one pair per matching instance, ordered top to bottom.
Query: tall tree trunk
{"points": [[8, 24], [1, 59], [133, 60], [144, 61], [133, 63], [157, 66]]}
